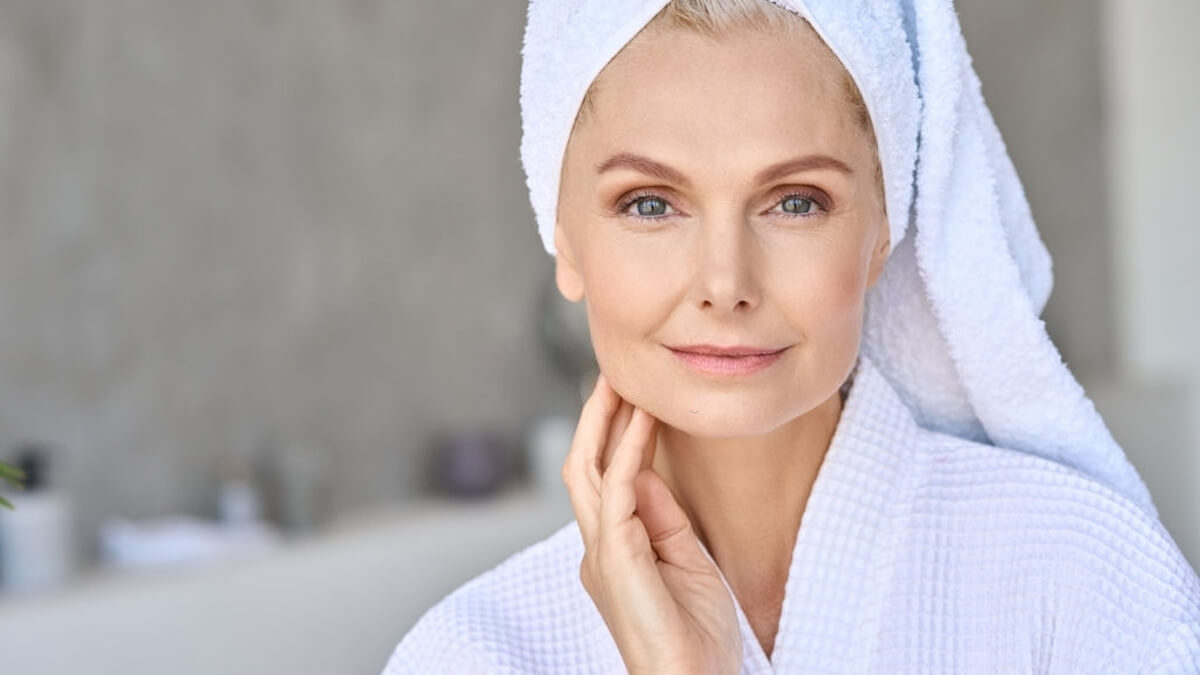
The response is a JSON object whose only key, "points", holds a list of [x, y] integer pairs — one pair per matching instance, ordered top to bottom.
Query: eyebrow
{"points": [[629, 160], [806, 163]]}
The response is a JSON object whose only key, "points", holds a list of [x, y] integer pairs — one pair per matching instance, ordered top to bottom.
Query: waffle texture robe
{"points": [[918, 552]]}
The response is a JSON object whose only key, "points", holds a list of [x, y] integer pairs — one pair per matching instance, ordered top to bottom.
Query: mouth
{"points": [[727, 361]]}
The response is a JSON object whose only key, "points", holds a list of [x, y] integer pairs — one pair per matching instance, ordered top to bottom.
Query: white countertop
{"points": [[336, 602]]}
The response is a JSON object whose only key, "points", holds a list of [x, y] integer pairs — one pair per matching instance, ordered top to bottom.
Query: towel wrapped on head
{"points": [[954, 321]]}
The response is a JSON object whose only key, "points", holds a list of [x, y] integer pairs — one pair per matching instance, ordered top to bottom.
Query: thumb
{"points": [[666, 524]]}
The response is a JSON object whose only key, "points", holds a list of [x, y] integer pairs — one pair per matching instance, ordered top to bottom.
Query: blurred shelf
{"points": [[337, 601]]}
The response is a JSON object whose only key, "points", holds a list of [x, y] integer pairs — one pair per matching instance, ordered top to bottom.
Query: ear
{"points": [[879, 256], [566, 271]]}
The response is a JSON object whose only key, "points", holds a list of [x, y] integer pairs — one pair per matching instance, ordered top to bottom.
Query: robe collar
{"points": [[844, 556]]}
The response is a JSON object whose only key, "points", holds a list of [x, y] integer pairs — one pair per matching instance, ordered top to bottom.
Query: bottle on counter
{"points": [[548, 444], [238, 503], [35, 536]]}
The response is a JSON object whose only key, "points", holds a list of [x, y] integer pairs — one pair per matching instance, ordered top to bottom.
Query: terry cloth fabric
{"points": [[953, 322], [918, 552]]}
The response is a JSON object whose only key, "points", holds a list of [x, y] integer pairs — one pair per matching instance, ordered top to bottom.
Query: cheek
{"points": [[832, 278], [849, 287], [628, 298], [824, 298], [847, 308], [613, 326]]}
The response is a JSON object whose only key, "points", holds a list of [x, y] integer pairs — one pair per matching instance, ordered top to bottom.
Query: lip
{"points": [[734, 360]]}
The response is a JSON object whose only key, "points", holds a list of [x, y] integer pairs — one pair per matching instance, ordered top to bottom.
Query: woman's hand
{"points": [[661, 597]]}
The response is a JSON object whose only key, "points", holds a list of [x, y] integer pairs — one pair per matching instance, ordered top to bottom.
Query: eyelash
{"points": [[637, 197], [816, 199]]}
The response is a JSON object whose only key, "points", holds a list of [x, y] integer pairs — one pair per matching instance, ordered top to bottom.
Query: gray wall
{"points": [[1039, 63], [1154, 160], [228, 226]]}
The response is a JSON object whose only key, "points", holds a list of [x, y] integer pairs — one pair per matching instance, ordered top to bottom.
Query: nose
{"points": [[726, 268]]}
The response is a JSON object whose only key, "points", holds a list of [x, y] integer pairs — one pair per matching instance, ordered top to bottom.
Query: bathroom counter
{"points": [[336, 602]]}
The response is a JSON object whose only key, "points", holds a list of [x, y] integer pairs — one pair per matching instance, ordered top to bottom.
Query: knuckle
{"points": [[573, 472], [608, 479], [586, 576]]}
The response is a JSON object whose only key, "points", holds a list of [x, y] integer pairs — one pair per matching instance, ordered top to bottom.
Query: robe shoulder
{"points": [[1048, 542], [527, 614]]}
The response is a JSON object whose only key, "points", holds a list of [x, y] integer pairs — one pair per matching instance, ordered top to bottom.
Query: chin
{"points": [[712, 409], [728, 415], [720, 425]]}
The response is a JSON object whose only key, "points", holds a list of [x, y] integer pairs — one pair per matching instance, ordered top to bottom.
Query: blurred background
{"points": [[277, 334]]}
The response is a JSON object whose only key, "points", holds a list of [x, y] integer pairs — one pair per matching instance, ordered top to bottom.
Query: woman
{"points": [[830, 433]]}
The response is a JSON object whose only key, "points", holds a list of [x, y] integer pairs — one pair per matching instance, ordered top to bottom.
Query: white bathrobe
{"points": [[918, 552]]}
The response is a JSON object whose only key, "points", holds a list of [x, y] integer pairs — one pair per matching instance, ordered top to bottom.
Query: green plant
{"points": [[14, 476]]}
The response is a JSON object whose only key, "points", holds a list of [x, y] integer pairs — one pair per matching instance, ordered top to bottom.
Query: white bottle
{"points": [[549, 444], [238, 504], [35, 536]]}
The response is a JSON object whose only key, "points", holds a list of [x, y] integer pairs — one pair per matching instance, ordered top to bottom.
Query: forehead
{"points": [[750, 84]]}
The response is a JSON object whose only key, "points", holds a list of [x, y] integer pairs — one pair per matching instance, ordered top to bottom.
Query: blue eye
{"points": [[797, 205], [648, 207]]}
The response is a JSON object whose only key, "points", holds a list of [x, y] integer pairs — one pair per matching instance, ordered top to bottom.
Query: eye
{"points": [[797, 205], [646, 206]]}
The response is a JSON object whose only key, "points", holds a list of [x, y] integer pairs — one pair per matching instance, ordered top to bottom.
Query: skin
{"points": [[664, 457]]}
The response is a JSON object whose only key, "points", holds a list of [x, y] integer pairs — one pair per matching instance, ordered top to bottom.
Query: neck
{"points": [[745, 496]]}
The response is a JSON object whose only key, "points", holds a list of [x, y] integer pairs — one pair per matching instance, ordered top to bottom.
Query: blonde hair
{"points": [[716, 17]]}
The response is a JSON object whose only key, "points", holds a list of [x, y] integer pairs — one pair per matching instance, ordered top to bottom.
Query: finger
{"points": [[594, 429], [616, 431], [651, 449], [579, 470], [617, 496], [585, 502], [667, 525]]}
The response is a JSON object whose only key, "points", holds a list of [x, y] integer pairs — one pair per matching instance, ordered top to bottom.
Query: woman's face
{"points": [[721, 192]]}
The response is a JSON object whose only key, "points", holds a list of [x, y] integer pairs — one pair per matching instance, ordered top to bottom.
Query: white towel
{"points": [[953, 322]]}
